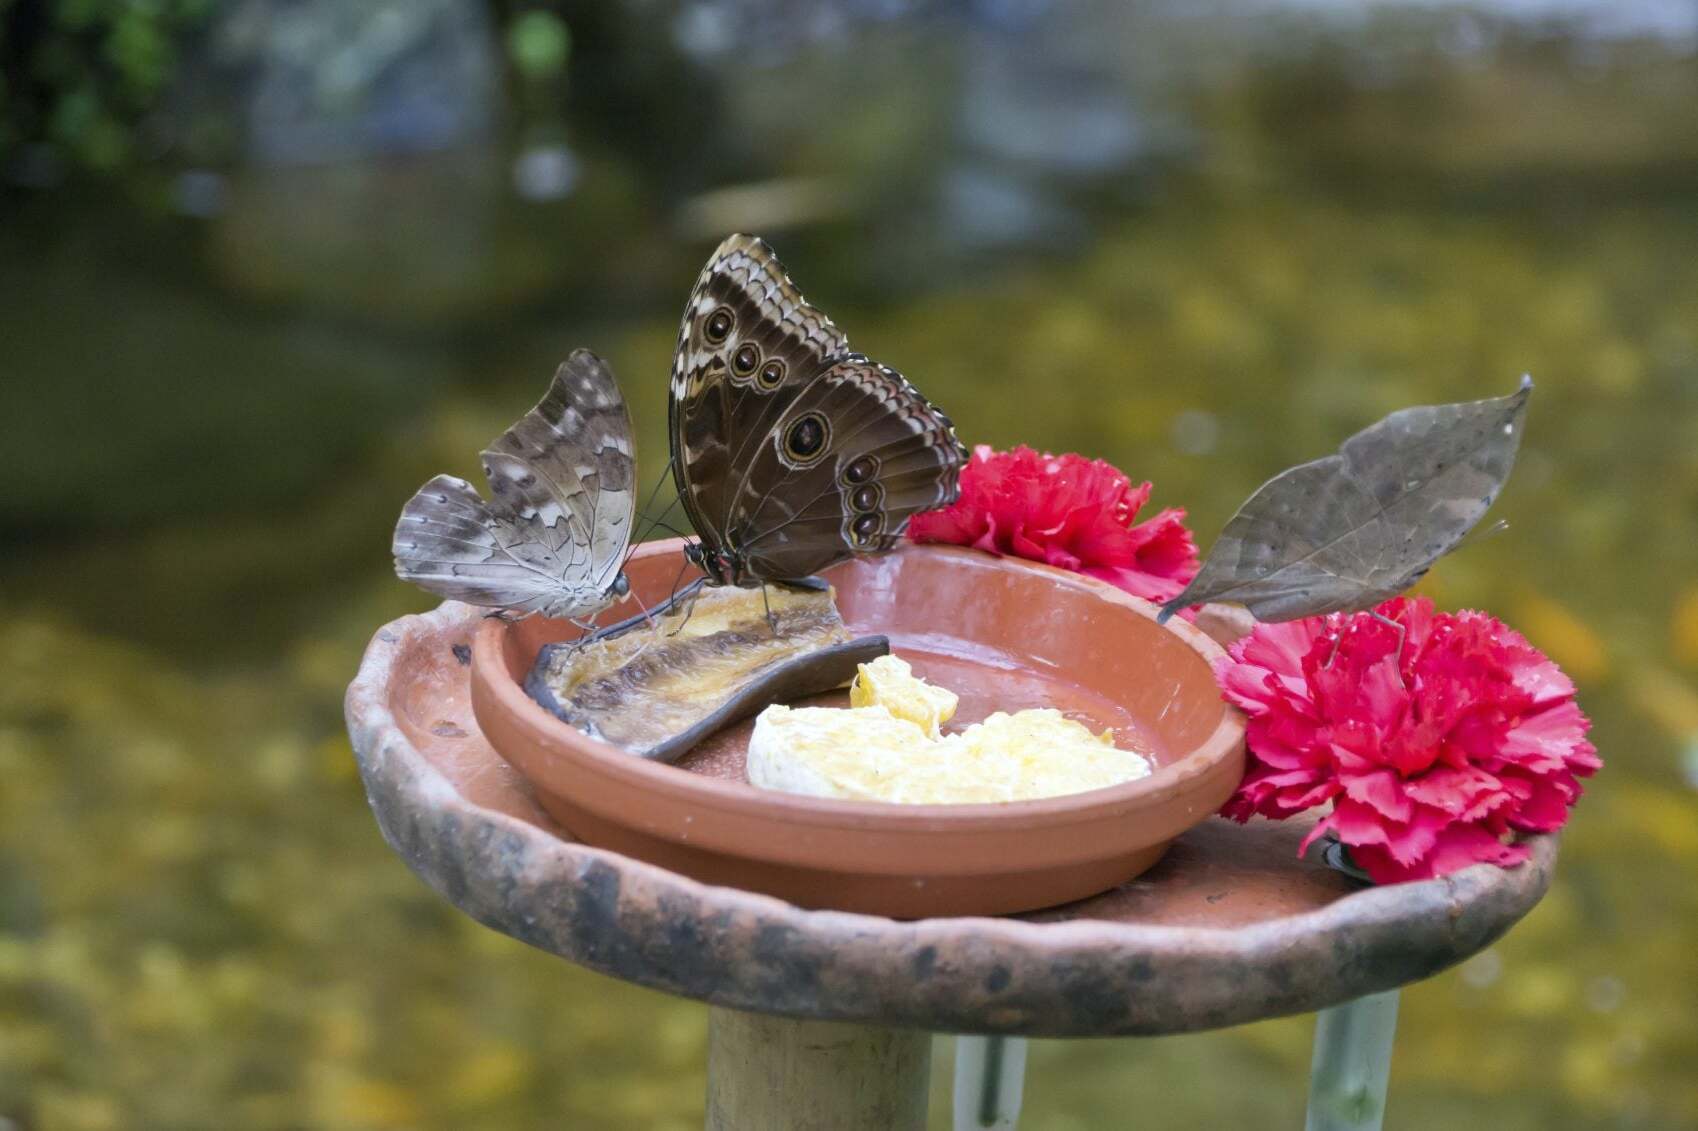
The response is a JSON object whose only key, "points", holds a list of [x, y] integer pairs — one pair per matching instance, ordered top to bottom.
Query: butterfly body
{"points": [[791, 452], [552, 537]]}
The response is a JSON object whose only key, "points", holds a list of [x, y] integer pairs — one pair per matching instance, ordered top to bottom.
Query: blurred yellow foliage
{"points": [[1683, 628], [1556, 630], [1666, 698], [1668, 820], [494, 1071], [365, 1103], [63, 1109]]}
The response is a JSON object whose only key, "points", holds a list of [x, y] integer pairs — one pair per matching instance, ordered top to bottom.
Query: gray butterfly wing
{"points": [[567, 470], [1352, 529], [553, 536], [450, 542]]}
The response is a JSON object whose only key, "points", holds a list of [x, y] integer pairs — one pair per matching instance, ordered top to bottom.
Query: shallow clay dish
{"points": [[1005, 634]]}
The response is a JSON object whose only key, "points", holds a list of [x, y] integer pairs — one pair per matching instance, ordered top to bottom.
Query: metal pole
{"points": [[1352, 1066], [990, 1079]]}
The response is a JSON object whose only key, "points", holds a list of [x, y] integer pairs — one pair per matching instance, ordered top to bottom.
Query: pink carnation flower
{"points": [[1066, 511], [1431, 759]]}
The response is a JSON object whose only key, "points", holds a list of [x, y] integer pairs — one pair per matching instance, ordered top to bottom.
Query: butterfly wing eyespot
{"points": [[718, 325], [743, 362], [771, 374], [806, 438], [861, 470], [866, 497], [866, 528]]}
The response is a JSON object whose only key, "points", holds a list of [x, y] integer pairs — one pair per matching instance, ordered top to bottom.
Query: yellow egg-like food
{"points": [[890, 683], [883, 749], [829, 752], [1038, 752]]}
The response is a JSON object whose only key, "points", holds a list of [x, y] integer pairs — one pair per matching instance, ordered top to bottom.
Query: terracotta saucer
{"points": [[1005, 634]]}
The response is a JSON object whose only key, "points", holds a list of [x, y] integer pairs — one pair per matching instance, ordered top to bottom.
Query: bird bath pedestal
{"points": [[823, 1020]]}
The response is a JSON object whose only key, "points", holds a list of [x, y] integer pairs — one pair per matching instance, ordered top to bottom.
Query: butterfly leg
{"points": [[689, 595], [672, 601], [647, 619], [771, 620], [1397, 627], [588, 632], [1402, 633], [1337, 639]]}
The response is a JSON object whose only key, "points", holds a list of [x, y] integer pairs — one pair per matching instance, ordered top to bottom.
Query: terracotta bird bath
{"points": [[1005, 635], [822, 1018]]}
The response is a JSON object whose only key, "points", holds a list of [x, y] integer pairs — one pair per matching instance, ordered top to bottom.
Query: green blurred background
{"points": [[265, 265]]}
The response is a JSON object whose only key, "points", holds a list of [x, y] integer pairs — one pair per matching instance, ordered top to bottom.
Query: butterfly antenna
{"points": [[658, 484], [654, 493], [658, 522], [1484, 533], [642, 535]]}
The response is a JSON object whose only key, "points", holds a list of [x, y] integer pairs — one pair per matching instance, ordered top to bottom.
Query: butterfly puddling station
{"points": [[1432, 740]]}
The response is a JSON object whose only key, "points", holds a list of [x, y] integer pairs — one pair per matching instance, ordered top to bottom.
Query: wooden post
{"points": [[781, 1074]]}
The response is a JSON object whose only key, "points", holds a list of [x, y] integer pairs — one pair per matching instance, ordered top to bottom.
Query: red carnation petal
{"points": [[1069, 512], [1541, 679], [1545, 741], [1432, 748], [1458, 791], [1383, 792], [1546, 806], [1359, 824], [1409, 843], [1462, 845]]}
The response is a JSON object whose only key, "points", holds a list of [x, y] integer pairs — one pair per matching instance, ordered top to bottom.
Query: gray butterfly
{"points": [[1358, 527], [553, 537]]}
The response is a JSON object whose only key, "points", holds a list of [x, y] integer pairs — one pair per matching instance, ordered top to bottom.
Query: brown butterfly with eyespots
{"points": [[791, 453]]}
